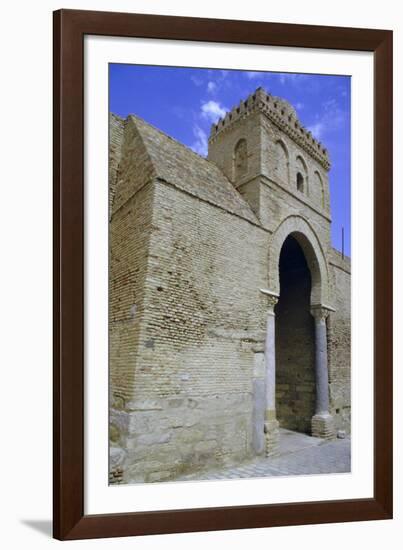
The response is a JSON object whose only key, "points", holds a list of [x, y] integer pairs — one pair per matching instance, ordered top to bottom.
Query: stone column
{"points": [[322, 421], [271, 423]]}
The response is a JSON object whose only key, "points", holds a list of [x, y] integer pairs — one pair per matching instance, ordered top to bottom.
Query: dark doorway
{"points": [[295, 352]]}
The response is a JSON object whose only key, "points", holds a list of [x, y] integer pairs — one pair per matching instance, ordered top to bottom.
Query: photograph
{"points": [[202, 258], [229, 274]]}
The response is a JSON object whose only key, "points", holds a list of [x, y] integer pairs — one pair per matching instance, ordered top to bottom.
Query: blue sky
{"points": [[183, 102]]}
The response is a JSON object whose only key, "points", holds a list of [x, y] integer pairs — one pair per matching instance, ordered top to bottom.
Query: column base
{"points": [[322, 426], [271, 437]]}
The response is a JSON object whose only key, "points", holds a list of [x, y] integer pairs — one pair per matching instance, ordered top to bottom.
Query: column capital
{"points": [[272, 298], [320, 312]]}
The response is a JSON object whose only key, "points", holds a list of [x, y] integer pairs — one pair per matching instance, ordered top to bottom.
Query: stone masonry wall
{"points": [[116, 130], [222, 152], [316, 186], [130, 232], [129, 235], [203, 319], [339, 342]]}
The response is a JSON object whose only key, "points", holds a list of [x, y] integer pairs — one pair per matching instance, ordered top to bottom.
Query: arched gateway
{"points": [[296, 341]]}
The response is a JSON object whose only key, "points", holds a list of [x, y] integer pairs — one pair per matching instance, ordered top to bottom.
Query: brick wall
{"points": [[116, 130], [339, 342], [191, 404]]}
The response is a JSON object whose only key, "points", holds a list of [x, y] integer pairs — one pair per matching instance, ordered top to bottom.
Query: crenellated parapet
{"points": [[280, 113]]}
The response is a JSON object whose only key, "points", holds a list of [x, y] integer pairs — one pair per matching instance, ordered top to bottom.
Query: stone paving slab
{"points": [[290, 441], [302, 458]]}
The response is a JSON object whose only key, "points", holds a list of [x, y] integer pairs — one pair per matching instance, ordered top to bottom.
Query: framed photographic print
{"points": [[222, 274]]}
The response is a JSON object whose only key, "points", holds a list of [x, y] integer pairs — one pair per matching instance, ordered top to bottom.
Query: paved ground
{"points": [[298, 454]]}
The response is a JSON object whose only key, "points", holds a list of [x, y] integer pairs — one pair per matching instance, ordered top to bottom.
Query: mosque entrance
{"points": [[295, 341]]}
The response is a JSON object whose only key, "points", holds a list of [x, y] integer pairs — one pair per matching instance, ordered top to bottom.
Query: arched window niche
{"points": [[240, 159], [282, 167], [301, 178], [300, 182], [319, 189]]}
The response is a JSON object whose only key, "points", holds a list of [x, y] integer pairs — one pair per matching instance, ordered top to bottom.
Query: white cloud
{"points": [[218, 79], [196, 81], [211, 87], [330, 104], [212, 110], [332, 118], [317, 129], [200, 145]]}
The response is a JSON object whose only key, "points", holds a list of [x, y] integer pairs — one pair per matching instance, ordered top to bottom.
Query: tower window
{"points": [[300, 182]]}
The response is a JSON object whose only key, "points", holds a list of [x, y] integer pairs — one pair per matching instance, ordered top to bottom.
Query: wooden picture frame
{"points": [[70, 27]]}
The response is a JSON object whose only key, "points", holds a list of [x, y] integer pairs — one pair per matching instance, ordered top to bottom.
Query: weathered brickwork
{"points": [[116, 129], [192, 244], [128, 272], [201, 307], [339, 342]]}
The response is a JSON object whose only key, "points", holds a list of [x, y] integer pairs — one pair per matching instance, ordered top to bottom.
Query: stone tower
{"points": [[261, 144], [281, 171]]}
